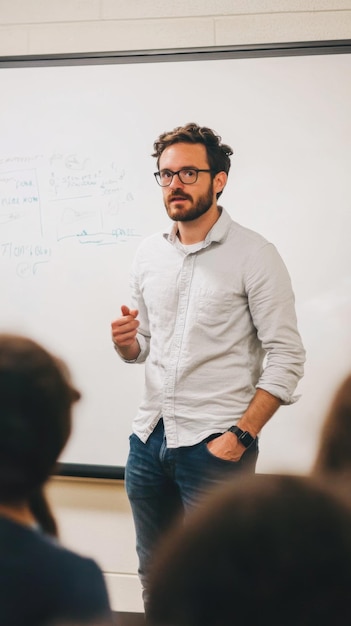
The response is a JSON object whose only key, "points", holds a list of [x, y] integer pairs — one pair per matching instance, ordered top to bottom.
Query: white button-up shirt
{"points": [[207, 320]]}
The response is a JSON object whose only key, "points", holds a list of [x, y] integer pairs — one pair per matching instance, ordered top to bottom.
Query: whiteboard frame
{"points": [[342, 46]]}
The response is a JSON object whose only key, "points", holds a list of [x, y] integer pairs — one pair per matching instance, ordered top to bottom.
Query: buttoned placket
{"points": [[169, 390]]}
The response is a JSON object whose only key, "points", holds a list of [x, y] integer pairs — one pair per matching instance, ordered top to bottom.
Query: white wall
{"points": [[94, 516]]}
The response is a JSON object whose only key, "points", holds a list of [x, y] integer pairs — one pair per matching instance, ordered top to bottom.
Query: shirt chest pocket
{"points": [[214, 308]]}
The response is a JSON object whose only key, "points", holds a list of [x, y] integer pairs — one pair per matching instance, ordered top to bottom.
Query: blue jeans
{"points": [[162, 483]]}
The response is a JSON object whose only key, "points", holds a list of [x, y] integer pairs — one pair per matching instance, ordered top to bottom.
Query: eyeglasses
{"points": [[187, 176]]}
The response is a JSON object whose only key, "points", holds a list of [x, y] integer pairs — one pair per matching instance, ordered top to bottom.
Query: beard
{"points": [[178, 214]]}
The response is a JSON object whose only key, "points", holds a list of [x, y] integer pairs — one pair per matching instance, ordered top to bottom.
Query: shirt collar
{"points": [[217, 233]]}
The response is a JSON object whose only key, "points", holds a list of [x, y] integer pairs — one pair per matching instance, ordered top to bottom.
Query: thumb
{"points": [[125, 309]]}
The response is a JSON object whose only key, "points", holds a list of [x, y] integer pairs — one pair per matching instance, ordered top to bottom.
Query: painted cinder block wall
{"points": [[63, 26]]}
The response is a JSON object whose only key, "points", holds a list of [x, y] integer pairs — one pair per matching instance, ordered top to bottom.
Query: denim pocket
{"points": [[215, 458]]}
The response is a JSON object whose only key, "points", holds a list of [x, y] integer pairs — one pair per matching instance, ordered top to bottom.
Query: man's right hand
{"points": [[124, 330]]}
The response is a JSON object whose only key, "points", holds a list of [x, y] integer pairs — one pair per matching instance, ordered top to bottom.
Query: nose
{"points": [[176, 182]]}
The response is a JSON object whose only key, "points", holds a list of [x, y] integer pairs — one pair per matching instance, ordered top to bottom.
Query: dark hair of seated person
{"points": [[35, 417], [334, 449], [42, 512], [266, 549]]}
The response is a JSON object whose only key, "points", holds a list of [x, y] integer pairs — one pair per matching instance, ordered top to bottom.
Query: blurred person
{"points": [[334, 450], [41, 509], [267, 549], [41, 582]]}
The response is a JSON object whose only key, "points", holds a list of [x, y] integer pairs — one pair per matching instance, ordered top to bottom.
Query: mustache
{"points": [[178, 193]]}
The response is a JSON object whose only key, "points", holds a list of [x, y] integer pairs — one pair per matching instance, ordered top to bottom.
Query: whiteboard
{"points": [[77, 196]]}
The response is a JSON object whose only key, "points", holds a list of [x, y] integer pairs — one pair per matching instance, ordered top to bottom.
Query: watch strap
{"points": [[243, 435]]}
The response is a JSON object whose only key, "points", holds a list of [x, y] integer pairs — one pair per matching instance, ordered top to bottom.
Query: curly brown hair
{"points": [[218, 153]]}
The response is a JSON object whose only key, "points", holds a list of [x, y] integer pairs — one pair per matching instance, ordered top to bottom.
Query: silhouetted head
{"points": [[36, 397], [334, 452], [264, 549]]}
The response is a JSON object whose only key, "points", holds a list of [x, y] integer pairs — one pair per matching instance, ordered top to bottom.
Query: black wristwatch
{"points": [[244, 437]]}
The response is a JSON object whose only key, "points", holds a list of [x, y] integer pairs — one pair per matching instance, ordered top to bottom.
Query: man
{"points": [[210, 300]]}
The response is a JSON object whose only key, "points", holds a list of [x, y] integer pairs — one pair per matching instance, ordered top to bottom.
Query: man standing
{"points": [[210, 300]]}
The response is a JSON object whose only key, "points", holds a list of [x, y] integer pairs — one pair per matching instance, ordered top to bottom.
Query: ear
{"points": [[220, 181]]}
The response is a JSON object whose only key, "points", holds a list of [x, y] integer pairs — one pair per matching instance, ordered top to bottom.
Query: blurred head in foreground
{"points": [[36, 398], [334, 452], [266, 549]]}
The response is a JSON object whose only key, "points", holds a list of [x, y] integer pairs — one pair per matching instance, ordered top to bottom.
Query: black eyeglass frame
{"points": [[183, 169]]}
